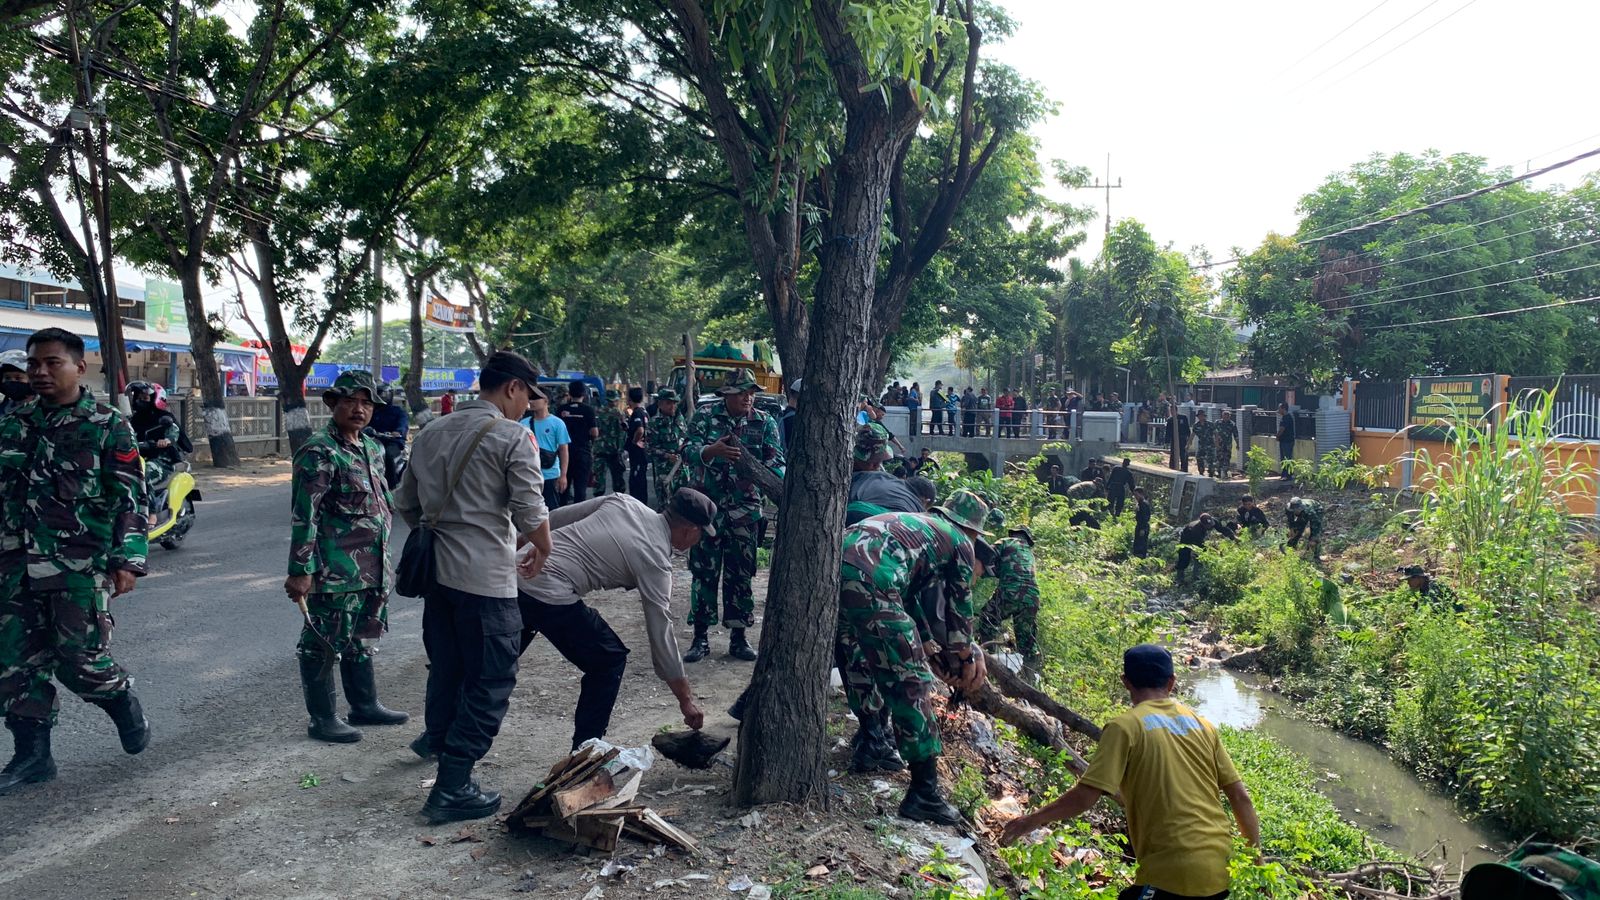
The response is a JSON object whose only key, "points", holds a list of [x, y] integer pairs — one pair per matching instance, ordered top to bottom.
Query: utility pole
{"points": [[1105, 246]]}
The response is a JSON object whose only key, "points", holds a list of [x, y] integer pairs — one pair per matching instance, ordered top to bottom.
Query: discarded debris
{"points": [[690, 749], [587, 799], [750, 819], [467, 833], [427, 840], [615, 868], [818, 871], [740, 883]]}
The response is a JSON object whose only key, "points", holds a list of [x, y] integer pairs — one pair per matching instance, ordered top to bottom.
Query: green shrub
{"points": [[1257, 466], [1337, 470], [1282, 608]]}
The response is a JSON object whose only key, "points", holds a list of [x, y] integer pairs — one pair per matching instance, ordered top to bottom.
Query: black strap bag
{"points": [[417, 575]]}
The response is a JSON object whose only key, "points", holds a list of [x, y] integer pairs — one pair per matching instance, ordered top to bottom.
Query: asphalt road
{"points": [[209, 623]]}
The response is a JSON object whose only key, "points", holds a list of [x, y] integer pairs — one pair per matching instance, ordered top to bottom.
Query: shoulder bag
{"points": [[417, 575]]}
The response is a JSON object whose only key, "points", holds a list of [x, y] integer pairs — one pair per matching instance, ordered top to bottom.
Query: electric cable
{"points": [[1487, 315]]}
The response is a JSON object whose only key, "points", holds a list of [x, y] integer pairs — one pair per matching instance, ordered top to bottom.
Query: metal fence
{"points": [[1381, 405], [1576, 406]]}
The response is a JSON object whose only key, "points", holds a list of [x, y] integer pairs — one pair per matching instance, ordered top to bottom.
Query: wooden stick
{"points": [[1009, 683]]}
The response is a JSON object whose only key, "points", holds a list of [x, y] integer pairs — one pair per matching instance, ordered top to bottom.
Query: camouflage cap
{"points": [[350, 381], [739, 382], [667, 394], [613, 396], [871, 444], [965, 509], [997, 518], [1022, 530]]}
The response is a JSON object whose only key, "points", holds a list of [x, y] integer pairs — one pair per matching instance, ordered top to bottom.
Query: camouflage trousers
{"points": [[1203, 456], [1222, 458], [156, 472], [608, 475], [663, 485], [730, 557], [1022, 608], [337, 617], [61, 635], [886, 651]]}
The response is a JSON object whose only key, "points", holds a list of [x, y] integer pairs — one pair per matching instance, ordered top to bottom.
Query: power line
{"points": [[1362, 18], [1346, 58], [1348, 75], [1384, 264], [1482, 268], [1475, 287], [1488, 315]]}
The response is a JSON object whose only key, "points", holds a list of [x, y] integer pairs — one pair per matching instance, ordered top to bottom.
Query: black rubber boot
{"points": [[700, 648], [739, 648], [361, 692], [736, 711], [325, 724], [132, 727], [424, 746], [874, 749], [31, 763], [456, 796], [924, 801]]}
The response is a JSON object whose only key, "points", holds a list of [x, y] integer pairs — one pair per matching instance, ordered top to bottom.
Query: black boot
{"points": [[701, 648], [739, 648], [361, 692], [736, 711], [325, 724], [132, 727], [424, 746], [874, 749], [32, 762], [456, 796], [924, 801]]}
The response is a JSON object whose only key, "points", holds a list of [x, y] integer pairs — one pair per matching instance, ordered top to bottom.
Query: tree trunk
{"points": [[203, 342], [291, 373], [420, 413], [782, 738]]}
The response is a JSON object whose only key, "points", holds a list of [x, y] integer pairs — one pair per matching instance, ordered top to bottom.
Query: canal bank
{"points": [[1371, 789]]}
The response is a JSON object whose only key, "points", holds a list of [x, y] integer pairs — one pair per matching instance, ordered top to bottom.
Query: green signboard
{"points": [[163, 301], [1435, 402]]}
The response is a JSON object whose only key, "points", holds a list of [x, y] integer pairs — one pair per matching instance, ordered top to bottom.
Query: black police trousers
{"points": [[580, 468], [584, 639], [472, 666]]}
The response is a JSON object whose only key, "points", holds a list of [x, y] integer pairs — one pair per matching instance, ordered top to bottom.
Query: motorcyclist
{"points": [[14, 380], [390, 424], [157, 434]]}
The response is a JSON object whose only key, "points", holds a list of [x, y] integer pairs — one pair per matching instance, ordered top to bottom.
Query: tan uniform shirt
{"points": [[500, 496], [608, 543]]}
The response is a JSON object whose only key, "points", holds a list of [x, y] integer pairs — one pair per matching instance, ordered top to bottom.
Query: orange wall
{"points": [[1377, 448]]}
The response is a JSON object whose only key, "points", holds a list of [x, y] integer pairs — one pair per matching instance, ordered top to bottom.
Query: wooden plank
{"points": [[562, 774], [627, 783], [583, 795], [651, 820], [597, 832]]}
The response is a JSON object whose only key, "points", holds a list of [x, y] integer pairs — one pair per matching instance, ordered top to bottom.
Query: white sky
{"points": [[1216, 131]]}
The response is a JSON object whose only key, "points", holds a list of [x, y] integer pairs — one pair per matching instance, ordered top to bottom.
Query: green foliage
{"points": [[1257, 466], [1337, 470], [1281, 608], [309, 780], [970, 791]]}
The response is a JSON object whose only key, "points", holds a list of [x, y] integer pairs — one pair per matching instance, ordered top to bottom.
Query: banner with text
{"points": [[163, 300], [446, 316], [1435, 402]]}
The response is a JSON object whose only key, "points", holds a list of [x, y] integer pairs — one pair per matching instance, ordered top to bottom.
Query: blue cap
{"points": [[1147, 666]]}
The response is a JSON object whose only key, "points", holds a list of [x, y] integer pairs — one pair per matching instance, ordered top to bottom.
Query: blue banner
{"points": [[448, 379]]}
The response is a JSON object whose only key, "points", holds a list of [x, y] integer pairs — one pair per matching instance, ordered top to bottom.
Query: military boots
{"points": [[701, 646], [739, 648], [361, 692], [325, 724], [132, 727], [873, 748], [32, 762], [456, 795], [924, 801]]}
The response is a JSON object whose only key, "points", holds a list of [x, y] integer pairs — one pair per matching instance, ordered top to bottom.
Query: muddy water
{"points": [[1370, 789]]}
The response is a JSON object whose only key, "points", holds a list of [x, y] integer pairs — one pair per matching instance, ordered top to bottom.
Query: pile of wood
{"points": [[587, 799]]}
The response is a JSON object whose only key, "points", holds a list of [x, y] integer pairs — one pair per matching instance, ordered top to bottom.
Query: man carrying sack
{"points": [[472, 495], [610, 543], [339, 561]]}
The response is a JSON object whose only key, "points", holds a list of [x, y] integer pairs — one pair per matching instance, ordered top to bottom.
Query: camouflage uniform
{"points": [[1223, 434], [663, 436], [1204, 444], [608, 450], [157, 467], [73, 500], [1306, 522], [339, 535], [732, 553], [906, 579], [1016, 598]]}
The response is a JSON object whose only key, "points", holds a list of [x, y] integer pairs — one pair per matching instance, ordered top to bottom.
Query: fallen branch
{"points": [[1009, 683], [988, 700]]}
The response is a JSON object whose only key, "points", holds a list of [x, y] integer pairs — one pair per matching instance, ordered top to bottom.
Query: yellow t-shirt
{"points": [[1169, 765]]}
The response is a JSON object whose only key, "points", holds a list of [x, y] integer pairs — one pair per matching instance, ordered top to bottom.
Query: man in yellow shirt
{"points": [[1169, 765]]}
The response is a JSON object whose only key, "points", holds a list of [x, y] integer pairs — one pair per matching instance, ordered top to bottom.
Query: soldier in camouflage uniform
{"points": [[1223, 434], [664, 439], [1204, 441], [715, 442], [609, 447], [1304, 521], [72, 537], [339, 560], [1017, 596], [893, 622]]}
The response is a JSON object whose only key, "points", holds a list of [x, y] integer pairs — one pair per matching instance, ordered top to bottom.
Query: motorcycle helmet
{"points": [[14, 359], [149, 392], [386, 393]]}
